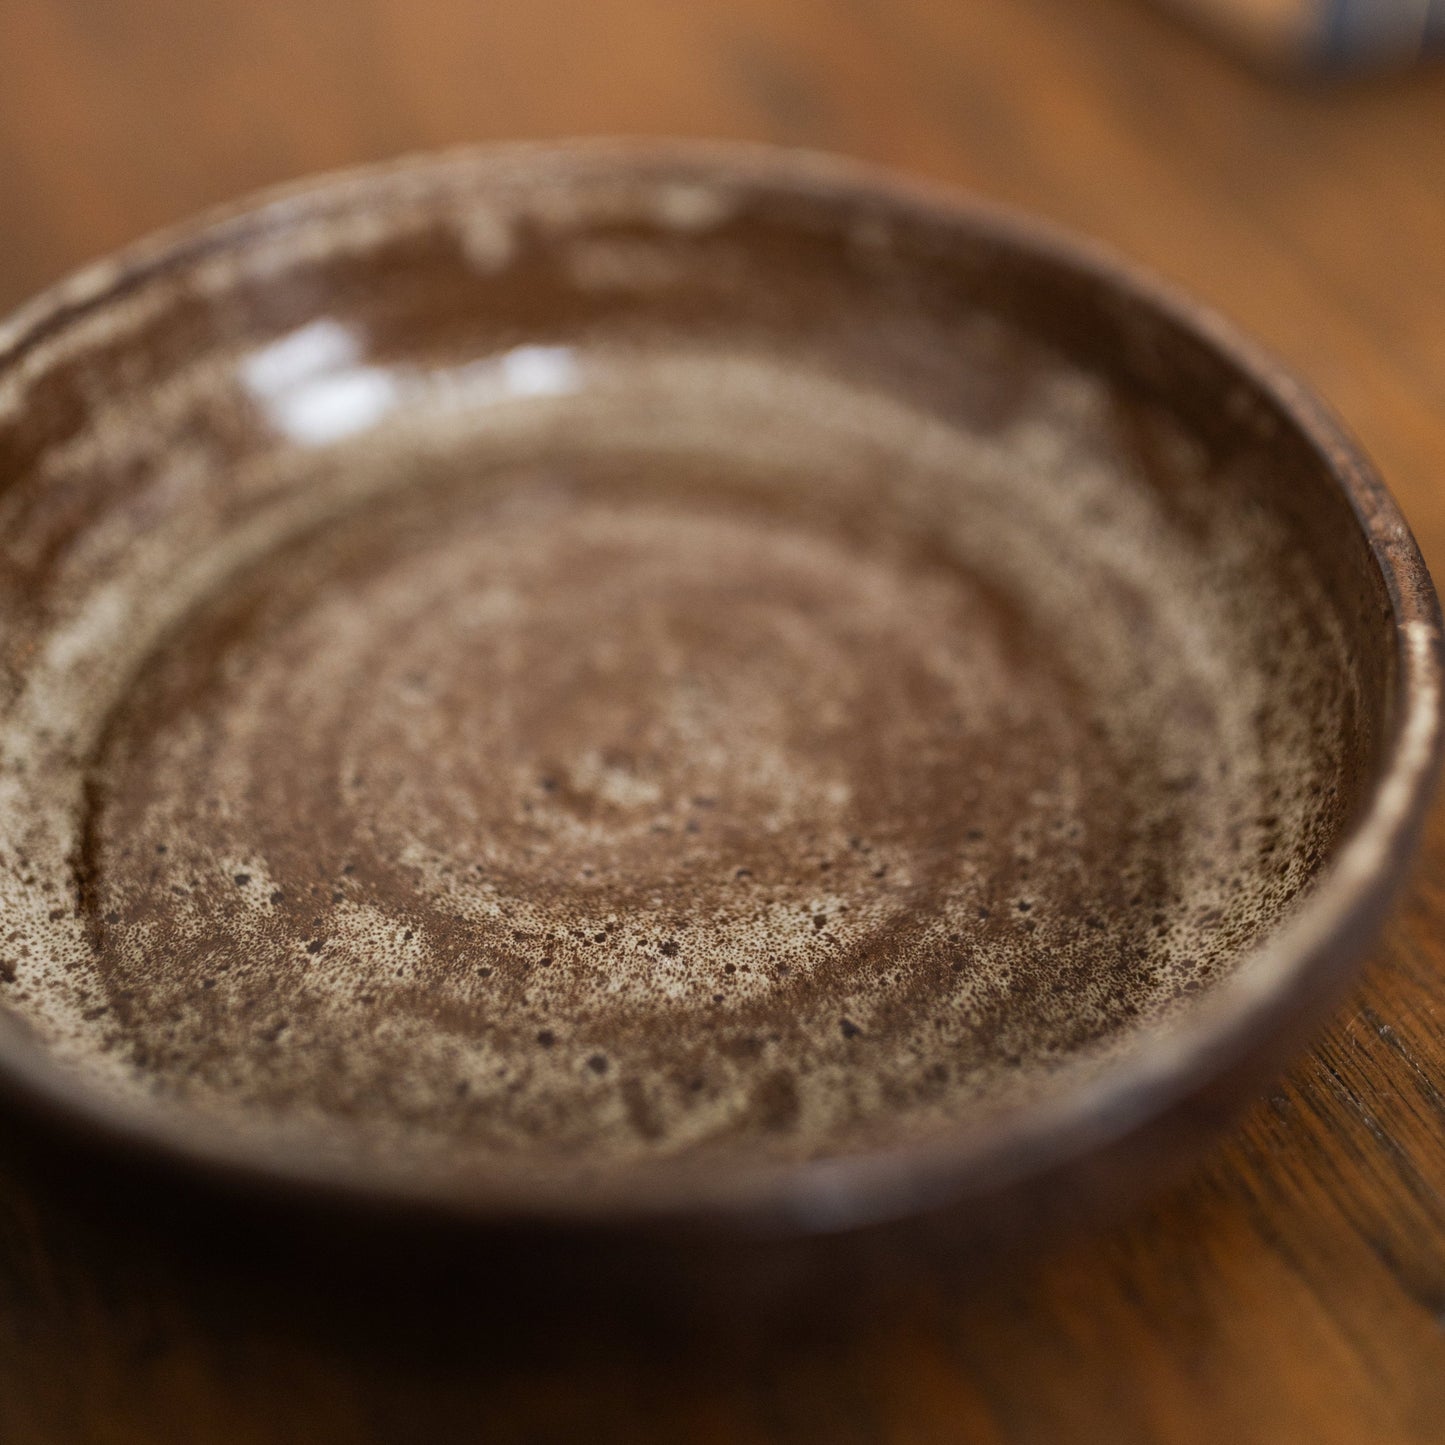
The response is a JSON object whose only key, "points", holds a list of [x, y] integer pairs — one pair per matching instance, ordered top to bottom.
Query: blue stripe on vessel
{"points": [[1337, 36]]}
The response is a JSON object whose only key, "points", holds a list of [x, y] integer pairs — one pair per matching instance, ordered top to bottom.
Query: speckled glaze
{"points": [[602, 682]]}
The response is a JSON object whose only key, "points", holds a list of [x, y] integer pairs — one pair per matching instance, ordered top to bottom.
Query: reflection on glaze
{"points": [[522, 371], [315, 390]]}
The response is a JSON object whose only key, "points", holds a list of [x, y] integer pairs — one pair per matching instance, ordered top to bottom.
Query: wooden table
{"points": [[1295, 1289]]}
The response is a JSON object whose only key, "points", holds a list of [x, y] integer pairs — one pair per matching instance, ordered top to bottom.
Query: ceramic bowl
{"points": [[616, 687]]}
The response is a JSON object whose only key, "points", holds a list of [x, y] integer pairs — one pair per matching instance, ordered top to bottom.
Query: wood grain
{"points": [[1294, 1290]]}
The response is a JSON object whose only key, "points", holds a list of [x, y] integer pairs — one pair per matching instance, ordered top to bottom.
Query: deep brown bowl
{"points": [[605, 687]]}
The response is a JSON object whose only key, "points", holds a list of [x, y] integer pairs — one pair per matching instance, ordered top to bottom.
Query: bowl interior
{"points": [[545, 664]]}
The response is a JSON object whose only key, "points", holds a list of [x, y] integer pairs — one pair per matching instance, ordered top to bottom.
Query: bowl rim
{"points": [[1301, 962]]}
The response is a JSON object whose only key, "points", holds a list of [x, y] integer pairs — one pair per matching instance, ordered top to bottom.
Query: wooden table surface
{"points": [[1294, 1290]]}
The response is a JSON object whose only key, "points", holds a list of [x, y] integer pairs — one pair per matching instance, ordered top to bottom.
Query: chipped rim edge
{"points": [[1298, 966]]}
